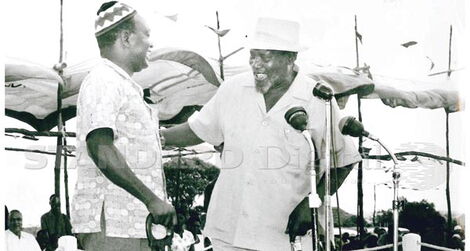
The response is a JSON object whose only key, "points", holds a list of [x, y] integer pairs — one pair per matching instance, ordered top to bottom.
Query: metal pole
{"points": [[313, 199], [326, 199], [375, 202], [396, 203]]}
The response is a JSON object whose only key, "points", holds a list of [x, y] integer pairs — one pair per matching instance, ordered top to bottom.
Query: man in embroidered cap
{"points": [[120, 175], [260, 195]]}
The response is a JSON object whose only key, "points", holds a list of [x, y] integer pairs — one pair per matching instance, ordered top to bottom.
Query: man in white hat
{"points": [[120, 173], [260, 195]]}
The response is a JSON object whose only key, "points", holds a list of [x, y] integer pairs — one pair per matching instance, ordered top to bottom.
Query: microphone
{"points": [[322, 91], [297, 117], [350, 126]]}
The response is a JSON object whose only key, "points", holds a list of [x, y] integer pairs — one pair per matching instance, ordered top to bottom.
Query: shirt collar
{"points": [[116, 68], [121, 72], [301, 87]]}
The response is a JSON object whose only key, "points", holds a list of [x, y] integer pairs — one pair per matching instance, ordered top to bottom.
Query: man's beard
{"points": [[263, 86]]}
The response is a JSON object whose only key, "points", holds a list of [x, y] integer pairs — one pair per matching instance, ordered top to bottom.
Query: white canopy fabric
{"points": [[179, 78]]}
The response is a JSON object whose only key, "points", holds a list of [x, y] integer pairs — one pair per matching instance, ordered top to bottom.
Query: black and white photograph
{"points": [[234, 125]]}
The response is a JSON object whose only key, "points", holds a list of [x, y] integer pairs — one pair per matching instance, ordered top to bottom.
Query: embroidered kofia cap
{"points": [[111, 17], [276, 34]]}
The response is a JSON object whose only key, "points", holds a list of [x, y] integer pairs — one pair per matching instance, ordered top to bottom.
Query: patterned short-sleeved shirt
{"points": [[109, 98]]}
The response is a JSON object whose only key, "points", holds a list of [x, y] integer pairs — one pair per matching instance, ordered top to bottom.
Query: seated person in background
{"points": [[55, 223], [193, 224], [42, 237], [16, 239], [183, 239], [371, 241]]}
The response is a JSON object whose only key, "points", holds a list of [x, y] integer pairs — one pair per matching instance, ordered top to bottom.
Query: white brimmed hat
{"points": [[114, 15], [276, 34], [67, 243]]}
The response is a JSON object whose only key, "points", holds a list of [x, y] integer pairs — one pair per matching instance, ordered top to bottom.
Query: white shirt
{"points": [[109, 98], [264, 172], [27, 242], [182, 243]]}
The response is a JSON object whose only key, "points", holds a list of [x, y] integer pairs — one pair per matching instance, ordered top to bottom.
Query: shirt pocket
{"points": [[293, 137], [297, 147]]}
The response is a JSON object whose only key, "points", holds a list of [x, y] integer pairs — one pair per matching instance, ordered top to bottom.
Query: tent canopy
{"points": [[180, 82]]}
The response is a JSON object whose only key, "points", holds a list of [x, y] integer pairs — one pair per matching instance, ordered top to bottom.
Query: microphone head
{"points": [[322, 91], [297, 117], [350, 126]]}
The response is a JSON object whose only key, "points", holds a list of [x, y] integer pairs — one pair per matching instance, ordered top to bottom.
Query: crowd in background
{"points": [[191, 221], [54, 225], [381, 236]]}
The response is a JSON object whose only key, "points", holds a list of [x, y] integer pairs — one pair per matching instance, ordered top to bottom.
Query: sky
{"points": [[327, 31]]}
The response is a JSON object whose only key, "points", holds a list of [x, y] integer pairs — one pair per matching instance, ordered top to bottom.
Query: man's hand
{"points": [[163, 213], [300, 220]]}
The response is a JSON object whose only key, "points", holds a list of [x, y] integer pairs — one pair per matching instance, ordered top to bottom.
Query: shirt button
{"points": [[264, 123]]}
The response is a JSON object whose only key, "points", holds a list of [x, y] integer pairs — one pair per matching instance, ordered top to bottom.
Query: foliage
{"points": [[186, 178], [384, 217], [420, 218], [347, 219], [423, 219]]}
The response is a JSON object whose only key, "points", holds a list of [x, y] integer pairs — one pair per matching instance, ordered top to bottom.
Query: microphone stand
{"points": [[325, 93], [297, 117], [349, 126], [327, 174], [314, 201], [396, 203]]}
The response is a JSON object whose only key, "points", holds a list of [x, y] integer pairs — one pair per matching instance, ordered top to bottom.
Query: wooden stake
{"points": [[450, 53], [221, 58], [59, 109], [59, 143], [66, 182], [360, 195], [449, 206]]}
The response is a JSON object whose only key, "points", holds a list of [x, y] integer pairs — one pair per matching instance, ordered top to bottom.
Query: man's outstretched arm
{"points": [[180, 135], [112, 164]]}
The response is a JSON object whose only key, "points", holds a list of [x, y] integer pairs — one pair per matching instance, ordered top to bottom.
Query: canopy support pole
{"points": [[360, 204], [449, 206]]}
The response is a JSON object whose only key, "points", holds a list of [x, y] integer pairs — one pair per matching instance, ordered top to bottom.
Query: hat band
{"points": [[110, 27], [269, 41]]}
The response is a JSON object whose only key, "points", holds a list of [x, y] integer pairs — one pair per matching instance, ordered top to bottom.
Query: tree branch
{"points": [[35, 133], [35, 151], [415, 153]]}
